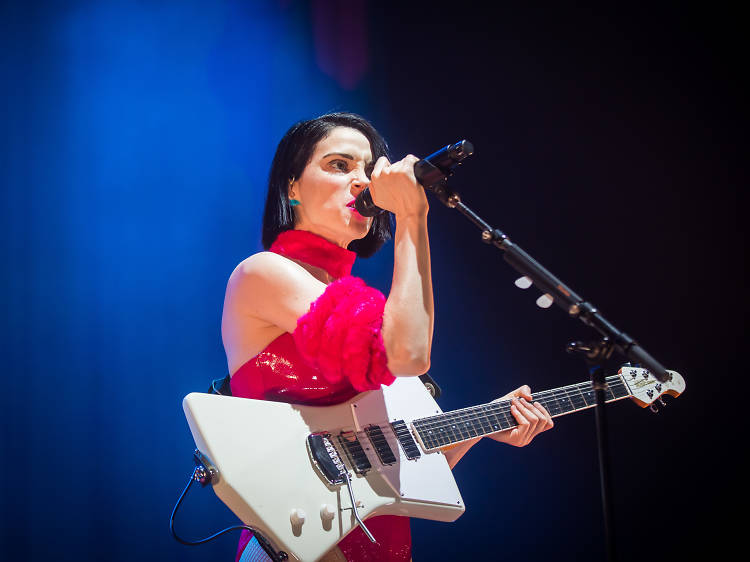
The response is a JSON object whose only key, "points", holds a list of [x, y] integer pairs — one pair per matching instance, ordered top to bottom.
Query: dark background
{"points": [[136, 139]]}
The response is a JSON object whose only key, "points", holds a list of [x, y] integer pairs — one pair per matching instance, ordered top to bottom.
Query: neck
{"points": [[310, 249], [477, 421]]}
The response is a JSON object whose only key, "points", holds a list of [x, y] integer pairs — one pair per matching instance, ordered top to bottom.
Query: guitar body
{"points": [[285, 469], [269, 477]]}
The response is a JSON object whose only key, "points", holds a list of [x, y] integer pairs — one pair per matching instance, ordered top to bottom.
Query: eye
{"points": [[339, 165], [368, 169]]}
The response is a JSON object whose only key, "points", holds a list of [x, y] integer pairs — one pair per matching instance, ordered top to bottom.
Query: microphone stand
{"points": [[595, 353]]}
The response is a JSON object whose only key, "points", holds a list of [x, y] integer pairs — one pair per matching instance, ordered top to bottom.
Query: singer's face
{"points": [[336, 173]]}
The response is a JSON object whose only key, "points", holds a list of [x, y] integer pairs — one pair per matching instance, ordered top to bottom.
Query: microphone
{"points": [[428, 171]]}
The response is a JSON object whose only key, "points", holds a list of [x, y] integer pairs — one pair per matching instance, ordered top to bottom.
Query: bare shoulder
{"points": [[265, 265], [267, 270], [271, 288]]}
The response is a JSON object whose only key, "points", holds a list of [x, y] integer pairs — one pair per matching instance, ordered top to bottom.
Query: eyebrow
{"points": [[344, 155], [349, 156]]}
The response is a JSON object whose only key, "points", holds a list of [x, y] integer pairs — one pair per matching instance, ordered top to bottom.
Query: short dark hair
{"points": [[292, 156]]}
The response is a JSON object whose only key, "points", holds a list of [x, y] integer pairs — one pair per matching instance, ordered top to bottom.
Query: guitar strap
{"points": [[222, 387]]}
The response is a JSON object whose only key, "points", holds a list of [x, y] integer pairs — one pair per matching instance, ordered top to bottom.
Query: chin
{"points": [[359, 232]]}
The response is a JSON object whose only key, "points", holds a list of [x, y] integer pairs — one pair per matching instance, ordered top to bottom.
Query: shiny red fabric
{"points": [[279, 373], [282, 373]]}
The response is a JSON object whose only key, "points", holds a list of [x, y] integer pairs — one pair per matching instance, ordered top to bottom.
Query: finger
{"points": [[409, 161], [381, 163], [406, 166], [520, 392], [526, 392], [515, 410], [534, 417], [525, 418], [549, 423], [526, 428]]}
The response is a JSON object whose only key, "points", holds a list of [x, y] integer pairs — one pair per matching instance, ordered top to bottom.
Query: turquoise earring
{"points": [[293, 202]]}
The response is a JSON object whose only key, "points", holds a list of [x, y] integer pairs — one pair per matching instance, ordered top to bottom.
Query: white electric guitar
{"points": [[305, 476]]}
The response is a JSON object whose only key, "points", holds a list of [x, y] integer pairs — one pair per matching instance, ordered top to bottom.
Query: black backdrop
{"points": [[609, 144]]}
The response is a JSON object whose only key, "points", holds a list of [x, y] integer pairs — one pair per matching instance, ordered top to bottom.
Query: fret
{"points": [[576, 397], [588, 399], [550, 403], [567, 403], [485, 420], [508, 421], [467, 423], [457, 427]]}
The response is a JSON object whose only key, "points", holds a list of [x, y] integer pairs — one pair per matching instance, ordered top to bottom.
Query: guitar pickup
{"points": [[379, 443], [411, 450], [354, 452]]}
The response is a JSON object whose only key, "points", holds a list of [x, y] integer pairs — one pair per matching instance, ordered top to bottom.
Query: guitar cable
{"points": [[202, 475]]}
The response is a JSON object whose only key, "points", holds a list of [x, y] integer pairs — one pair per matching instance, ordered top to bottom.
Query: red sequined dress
{"points": [[281, 373]]}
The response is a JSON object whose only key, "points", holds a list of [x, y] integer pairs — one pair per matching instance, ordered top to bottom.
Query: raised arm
{"points": [[408, 318]]}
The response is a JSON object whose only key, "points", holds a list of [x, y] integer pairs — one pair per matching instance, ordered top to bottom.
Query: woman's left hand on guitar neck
{"points": [[532, 420]]}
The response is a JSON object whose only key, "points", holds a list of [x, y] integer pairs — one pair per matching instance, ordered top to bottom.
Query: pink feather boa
{"points": [[340, 335]]}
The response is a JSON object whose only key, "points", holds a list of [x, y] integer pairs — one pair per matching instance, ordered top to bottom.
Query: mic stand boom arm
{"points": [[527, 266], [596, 353]]}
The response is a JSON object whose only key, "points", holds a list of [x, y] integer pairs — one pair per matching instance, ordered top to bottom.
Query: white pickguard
{"points": [[266, 472]]}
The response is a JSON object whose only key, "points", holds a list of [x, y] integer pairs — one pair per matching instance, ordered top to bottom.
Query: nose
{"points": [[359, 183]]}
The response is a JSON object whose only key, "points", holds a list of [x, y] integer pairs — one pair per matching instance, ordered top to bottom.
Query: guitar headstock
{"points": [[645, 388]]}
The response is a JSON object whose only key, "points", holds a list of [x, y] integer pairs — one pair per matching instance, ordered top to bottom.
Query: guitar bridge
{"points": [[326, 458], [330, 465]]}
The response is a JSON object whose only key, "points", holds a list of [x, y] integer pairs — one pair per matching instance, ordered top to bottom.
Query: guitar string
{"points": [[616, 384], [496, 408], [503, 408], [467, 424]]}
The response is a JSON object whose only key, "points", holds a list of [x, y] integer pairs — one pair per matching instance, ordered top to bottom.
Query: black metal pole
{"points": [[600, 388]]}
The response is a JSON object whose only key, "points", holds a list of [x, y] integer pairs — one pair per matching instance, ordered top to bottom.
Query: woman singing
{"points": [[298, 328]]}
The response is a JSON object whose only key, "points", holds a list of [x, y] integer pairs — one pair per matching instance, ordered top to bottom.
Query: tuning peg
{"points": [[523, 282], [545, 301], [653, 408]]}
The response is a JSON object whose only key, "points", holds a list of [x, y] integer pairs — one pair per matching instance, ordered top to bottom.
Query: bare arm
{"points": [[408, 319]]}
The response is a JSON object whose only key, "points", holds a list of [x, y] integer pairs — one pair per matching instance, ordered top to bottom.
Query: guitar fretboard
{"points": [[461, 425]]}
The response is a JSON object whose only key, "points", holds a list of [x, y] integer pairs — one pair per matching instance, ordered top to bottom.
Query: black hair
{"points": [[292, 156]]}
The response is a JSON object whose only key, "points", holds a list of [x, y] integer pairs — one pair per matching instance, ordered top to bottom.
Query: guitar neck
{"points": [[467, 423]]}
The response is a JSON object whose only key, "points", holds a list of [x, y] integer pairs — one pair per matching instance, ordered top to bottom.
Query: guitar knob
{"points": [[653, 408], [327, 512], [298, 517]]}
